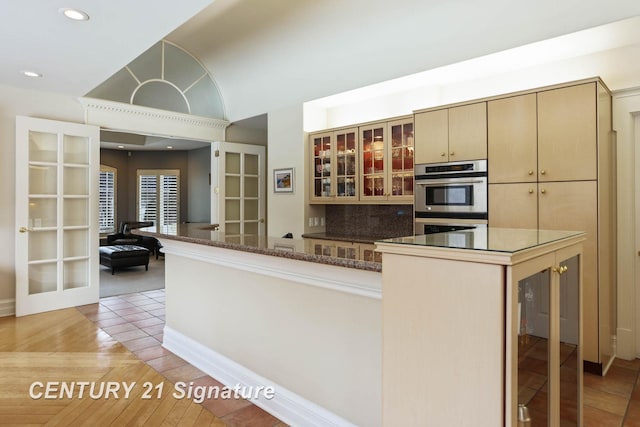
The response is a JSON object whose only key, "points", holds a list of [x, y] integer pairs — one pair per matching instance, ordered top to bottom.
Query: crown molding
{"points": [[151, 121]]}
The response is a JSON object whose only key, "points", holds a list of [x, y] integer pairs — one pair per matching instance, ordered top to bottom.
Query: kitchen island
{"points": [[265, 312], [457, 348]]}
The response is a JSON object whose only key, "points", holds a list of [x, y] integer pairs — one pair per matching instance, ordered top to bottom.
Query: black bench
{"points": [[116, 256]]}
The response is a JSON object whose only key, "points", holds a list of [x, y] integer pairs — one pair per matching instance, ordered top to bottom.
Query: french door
{"points": [[238, 199], [56, 259]]}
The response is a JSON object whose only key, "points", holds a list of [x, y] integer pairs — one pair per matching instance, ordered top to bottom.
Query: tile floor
{"points": [[137, 320]]}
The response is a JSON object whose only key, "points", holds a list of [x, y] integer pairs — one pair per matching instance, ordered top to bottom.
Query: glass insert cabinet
{"points": [[366, 163], [485, 326]]}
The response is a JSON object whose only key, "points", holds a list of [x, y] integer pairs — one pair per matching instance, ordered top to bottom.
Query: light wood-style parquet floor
{"points": [[64, 346]]}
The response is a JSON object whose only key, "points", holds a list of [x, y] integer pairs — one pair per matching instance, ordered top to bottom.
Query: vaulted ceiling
{"points": [[268, 54]]}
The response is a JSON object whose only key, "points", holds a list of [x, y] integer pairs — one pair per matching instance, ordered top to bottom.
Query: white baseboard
{"points": [[7, 307], [286, 405]]}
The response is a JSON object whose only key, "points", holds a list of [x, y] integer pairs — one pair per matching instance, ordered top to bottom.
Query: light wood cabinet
{"points": [[567, 133], [451, 134], [512, 139], [386, 160], [371, 163], [333, 166], [572, 186], [513, 205], [459, 331]]}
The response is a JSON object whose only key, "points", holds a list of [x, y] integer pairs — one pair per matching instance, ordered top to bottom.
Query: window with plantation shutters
{"points": [[107, 199], [159, 199]]}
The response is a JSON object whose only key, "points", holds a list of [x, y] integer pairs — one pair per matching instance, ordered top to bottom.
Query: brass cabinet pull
{"points": [[452, 153], [443, 154], [530, 172], [543, 172], [531, 191], [543, 191], [24, 230], [560, 270]]}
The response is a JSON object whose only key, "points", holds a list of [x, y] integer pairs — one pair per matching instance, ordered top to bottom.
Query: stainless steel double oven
{"points": [[450, 196]]}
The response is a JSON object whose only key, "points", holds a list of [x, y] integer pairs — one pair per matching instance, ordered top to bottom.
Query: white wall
{"points": [[15, 102], [285, 211], [322, 344]]}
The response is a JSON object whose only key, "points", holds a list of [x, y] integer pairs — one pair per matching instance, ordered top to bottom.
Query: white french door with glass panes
{"points": [[238, 180], [159, 199], [56, 249]]}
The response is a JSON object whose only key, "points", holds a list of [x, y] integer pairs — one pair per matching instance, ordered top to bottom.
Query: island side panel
{"points": [[443, 342], [321, 344]]}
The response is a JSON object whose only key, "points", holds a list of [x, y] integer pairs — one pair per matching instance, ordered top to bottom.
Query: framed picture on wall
{"points": [[283, 180]]}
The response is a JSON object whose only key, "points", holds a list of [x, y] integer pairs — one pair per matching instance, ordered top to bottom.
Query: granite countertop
{"points": [[205, 234]]}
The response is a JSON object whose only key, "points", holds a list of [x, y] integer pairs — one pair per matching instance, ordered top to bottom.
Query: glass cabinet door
{"points": [[401, 159], [372, 162], [321, 164], [346, 170], [549, 357]]}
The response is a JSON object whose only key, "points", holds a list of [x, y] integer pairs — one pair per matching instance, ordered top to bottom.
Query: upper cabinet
{"points": [[567, 133], [451, 134], [513, 139], [387, 161], [371, 163], [334, 165]]}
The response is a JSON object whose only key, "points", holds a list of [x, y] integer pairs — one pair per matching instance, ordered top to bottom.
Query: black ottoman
{"points": [[124, 256]]}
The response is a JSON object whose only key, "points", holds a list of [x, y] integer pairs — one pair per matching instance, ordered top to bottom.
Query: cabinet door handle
{"points": [[452, 153], [443, 154], [530, 172], [543, 172], [531, 191], [543, 191], [560, 270]]}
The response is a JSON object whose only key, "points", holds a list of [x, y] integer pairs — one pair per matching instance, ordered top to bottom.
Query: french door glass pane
{"points": [[43, 147], [75, 149], [232, 163], [250, 164], [43, 179], [76, 181], [232, 186], [251, 186], [147, 198], [250, 209], [232, 210], [43, 212], [76, 212], [232, 227], [250, 227], [75, 243], [43, 245], [76, 274], [43, 278]]}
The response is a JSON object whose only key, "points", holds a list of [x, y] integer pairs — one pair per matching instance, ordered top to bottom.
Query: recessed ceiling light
{"points": [[75, 14], [29, 73], [120, 146], [170, 147]]}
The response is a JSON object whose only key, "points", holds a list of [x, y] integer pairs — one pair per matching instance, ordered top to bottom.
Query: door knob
{"points": [[261, 220], [24, 229]]}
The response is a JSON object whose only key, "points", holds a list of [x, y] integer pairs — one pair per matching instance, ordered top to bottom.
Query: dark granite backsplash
{"points": [[377, 221]]}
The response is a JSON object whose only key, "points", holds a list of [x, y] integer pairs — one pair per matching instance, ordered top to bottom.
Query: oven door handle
{"points": [[451, 181]]}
